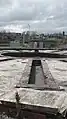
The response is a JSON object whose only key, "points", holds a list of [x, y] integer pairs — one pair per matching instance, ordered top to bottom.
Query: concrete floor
{"points": [[11, 73]]}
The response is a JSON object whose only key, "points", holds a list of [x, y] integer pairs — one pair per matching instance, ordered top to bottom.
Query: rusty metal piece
{"points": [[18, 107]]}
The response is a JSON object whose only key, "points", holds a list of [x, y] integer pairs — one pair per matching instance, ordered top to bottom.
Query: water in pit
{"points": [[39, 76]]}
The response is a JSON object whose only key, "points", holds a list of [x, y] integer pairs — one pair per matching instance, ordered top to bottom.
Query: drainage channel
{"points": [[36, 74]]}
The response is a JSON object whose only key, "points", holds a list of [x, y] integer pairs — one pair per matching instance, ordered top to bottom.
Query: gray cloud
{"points": [[42, 15]]}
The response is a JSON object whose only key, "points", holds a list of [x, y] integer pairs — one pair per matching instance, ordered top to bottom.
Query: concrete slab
{"points": [[11, 73], [48, 78], [46, 99]]}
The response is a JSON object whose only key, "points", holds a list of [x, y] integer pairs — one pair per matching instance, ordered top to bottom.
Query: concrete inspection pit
{"points": [[37, 76], [39, 93]]}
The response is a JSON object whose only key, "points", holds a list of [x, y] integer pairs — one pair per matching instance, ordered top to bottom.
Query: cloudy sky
{"points": [[42, 15]]}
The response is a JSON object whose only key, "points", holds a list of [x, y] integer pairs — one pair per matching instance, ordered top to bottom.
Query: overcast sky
{"points": [[42, 15]]}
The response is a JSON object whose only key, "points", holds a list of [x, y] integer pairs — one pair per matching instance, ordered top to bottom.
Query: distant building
{"points": [[15, 43], [43, 43], [37, 44]]}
